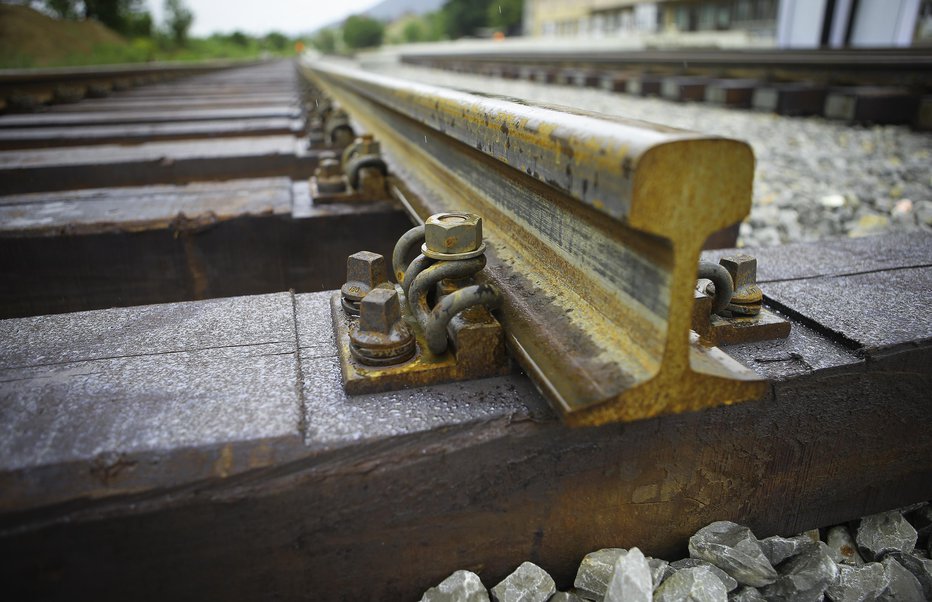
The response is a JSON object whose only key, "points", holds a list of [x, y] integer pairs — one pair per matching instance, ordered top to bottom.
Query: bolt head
{"points": [[366, 144], [329, 168], [453, 232], [743, 269], [364, 271], [379, 310]]}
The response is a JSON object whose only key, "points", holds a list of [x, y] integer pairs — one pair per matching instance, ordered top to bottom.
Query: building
{"points": [[782, 23]]}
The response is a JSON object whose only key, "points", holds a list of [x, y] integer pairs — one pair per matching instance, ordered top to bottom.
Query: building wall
{"points": [[606, 18], [862, 24]]}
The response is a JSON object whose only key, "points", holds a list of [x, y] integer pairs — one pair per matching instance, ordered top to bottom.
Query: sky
{"points": [[263, 16]]}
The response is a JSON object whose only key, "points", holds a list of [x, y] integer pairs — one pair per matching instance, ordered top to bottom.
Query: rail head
{"points": [[595, 226]]}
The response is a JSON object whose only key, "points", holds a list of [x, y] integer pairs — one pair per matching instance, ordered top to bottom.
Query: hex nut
{"points": [[367, 145], [451, 233], [364, 271], [381, 337]]}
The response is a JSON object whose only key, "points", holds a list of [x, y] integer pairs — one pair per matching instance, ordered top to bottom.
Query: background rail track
{"points": [[871, 85], [178, 190], [204, 448]]}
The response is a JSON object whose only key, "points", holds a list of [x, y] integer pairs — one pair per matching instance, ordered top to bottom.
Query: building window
{"points": [[723, 17]]}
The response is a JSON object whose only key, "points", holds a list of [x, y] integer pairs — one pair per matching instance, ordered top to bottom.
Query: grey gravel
{"points": [[815, 178], [886, 532], [841, 546], [777, 549], [735, 550], [921, 568], [804, 569], [660, 570], [595, 571], [804, 577], [631, 579], [726, 579], [529, 583], [858, 583], [696, 584], [461, 586], [903, 587], [746, 593], [566, 597]]}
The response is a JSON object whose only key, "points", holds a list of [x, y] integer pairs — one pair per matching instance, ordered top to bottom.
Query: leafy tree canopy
{"points": [[362, 32]]}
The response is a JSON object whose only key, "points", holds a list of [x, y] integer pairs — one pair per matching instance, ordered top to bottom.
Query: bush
{"points": [[362, 32], [325, 41]]}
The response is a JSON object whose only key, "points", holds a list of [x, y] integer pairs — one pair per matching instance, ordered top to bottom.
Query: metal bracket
{"points": [[359, 177], [739, 317], [435, 326], [715, 330], [478, 351]]}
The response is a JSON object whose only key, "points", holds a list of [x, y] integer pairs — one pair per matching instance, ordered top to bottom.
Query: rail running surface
{"points": [[595, 245]]}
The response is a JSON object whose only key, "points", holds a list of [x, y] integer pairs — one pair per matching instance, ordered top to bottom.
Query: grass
{"points": [[31, 39]]}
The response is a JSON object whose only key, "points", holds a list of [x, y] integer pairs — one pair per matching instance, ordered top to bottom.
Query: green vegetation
{"points": [[506, 15], [463, 17], [178, 19], [455, 19], [98, 32], [362, 32]]}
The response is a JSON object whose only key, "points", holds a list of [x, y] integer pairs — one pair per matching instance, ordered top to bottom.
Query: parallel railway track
{"points": [[869, 85], [205, 447]]}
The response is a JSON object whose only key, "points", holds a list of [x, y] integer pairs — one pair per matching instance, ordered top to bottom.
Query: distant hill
{"points": [[389, 10], [30, 39]]}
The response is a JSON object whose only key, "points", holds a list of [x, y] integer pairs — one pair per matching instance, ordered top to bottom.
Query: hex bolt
{"points": [[367, 145], [329, 168], [329, 176], [451, 236], [364, 272], [747, 298], [379, 310], [381, 337]]}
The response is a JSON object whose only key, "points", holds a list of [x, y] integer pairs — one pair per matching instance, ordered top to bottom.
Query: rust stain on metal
{"points": [[592, 240], [479, 352], [224, 463]]}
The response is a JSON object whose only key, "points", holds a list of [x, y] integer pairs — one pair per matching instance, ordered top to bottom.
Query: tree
{"points": [[63, 9], [506, 15], [128, 17], [464, 17], [178, 18], [138, 25], [413, 31], [362, 32], [239, 38], [276, 40], [325, 41]]}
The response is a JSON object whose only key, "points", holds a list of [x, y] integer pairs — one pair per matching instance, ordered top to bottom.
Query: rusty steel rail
{"points": [[595, 227]]}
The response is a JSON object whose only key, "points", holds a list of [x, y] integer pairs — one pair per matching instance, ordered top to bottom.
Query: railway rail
{"points": [[869, 85], [190, 406]]}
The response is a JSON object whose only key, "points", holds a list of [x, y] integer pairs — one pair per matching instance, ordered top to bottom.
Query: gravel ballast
{"points": [[815, 178], [729, 563]]}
